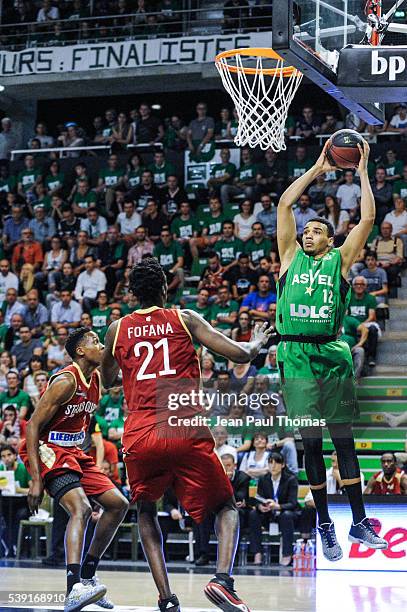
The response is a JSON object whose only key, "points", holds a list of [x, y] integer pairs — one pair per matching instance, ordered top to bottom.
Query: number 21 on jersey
{"points": [[151, 348]]}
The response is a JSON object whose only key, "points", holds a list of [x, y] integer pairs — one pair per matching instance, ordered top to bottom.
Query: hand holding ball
{"points": [[342, 150]]}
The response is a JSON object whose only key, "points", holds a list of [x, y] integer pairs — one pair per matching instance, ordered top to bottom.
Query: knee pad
{"points": [[59, 485]]}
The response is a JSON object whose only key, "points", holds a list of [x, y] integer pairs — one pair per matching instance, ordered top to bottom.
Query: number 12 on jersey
{"points": [[328, 296], [151, 348]]}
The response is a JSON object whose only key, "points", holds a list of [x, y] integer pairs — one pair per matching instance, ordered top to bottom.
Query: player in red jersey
{"points": [[154, 349], [51, 455], [391, 480]]}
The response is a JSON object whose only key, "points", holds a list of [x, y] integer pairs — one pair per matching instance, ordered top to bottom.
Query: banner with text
{"points": [[125, 54]]}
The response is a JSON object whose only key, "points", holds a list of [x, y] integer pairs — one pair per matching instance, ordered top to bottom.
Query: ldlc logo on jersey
{"points": [[310, 312]]}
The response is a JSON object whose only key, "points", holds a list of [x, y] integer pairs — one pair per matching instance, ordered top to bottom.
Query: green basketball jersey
{"points": [[312, 295]]}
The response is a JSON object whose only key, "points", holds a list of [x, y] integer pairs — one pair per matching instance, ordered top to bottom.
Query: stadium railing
{"points": [[66, 151]]}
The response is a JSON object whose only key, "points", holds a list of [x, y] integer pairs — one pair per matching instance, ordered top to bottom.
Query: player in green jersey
{"points": [[315, 367]]}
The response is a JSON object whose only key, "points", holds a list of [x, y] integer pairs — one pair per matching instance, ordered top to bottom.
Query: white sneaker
{"points": [[83, 595], [103, 602]]}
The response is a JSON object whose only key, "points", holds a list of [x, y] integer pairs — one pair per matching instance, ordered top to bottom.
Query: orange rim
{"points": [[266, 52]]}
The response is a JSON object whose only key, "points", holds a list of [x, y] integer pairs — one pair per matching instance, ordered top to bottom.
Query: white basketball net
{"points": [[262, 100]]}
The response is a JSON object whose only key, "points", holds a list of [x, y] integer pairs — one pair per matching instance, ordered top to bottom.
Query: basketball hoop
{"points": [[262, 94]]}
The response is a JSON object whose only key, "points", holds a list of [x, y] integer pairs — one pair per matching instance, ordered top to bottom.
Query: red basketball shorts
{"points": [[55, 460], [189, 465]]}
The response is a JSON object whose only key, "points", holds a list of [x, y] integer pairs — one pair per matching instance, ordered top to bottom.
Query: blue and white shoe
{"points": [[364, 533], [330, 546], [82, 595], [103, 602]]}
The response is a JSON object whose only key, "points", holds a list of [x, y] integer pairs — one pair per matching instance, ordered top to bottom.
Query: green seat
{"points": [[231, 209], [373, 234]]}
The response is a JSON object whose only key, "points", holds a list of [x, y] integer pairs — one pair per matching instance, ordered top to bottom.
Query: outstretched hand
{"points": [[364, 157], [322, 162], [262, 333]]}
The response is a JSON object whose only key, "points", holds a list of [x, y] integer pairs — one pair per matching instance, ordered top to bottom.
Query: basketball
{"points": [[343, 151]]}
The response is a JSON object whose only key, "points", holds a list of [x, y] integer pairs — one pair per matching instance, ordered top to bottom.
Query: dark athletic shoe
{"points": [[364, 533], [330, 546], [222, 593], [171, 604]]}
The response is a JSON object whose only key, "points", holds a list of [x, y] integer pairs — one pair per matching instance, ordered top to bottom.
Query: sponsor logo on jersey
{"points": [[311, 278], [310, 312], [73, 409], [63, 438]]}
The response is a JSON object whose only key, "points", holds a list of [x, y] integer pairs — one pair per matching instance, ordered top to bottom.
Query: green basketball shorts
{"points": [[317, 381]]}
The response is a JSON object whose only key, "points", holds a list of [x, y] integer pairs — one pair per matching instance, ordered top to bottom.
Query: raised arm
{"points": [[286, 226], [357, 238], [215, 341], [109, 368], [59, 392]]}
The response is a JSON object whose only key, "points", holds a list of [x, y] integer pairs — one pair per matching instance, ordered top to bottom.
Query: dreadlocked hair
{"points": [[146, 281], [74, 339]]}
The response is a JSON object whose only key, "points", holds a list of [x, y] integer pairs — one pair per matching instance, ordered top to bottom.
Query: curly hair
{"points": [[146, 281]]}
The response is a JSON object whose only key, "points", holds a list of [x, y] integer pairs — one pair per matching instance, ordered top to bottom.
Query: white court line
{"points": [[94, 608]]}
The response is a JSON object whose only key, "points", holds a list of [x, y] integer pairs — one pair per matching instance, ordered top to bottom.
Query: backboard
{"points": [[310, 35]]}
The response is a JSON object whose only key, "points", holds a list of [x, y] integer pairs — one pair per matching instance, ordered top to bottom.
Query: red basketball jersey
{"points": [[156, 355], [68, 426], [387, 487]]}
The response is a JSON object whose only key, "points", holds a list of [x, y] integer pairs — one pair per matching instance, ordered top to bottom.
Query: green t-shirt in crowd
{"points": [[395, 168], [297, 169], [219, 170], [247, 172], [161, 173], [111, 177], [134, 177], [27, 178], [54, 182], [8, 184], [400, 187], [84, 201], [211, 223], [184, 228], [229, 250], [257, 250], [167, 256], [360, 308], [126, 309], [220, 311], [205, 312], [100, 319], [349, 331], [3, 333], [273, 375], [18, 401], [111, 408], [119, 425], [237, 434], [21, 475]]}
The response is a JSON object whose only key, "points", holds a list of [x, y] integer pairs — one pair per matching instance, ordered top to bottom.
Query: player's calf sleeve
{"points": [[315, 469], [349, 469]]}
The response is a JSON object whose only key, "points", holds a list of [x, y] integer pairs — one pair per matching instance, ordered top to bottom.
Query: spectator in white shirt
{"points": [[48, 12], [398, 123], [348, 194], [130, 219], [398, 220], [95, 226], [8, 280], [89, 283], [220, 435]]}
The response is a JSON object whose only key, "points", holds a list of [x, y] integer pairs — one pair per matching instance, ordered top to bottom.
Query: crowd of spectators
{"points": [[60, 22], [69, 241]]}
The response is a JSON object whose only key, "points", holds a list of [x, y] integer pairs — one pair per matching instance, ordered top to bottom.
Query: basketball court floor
{"points": [[278, 591]]}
